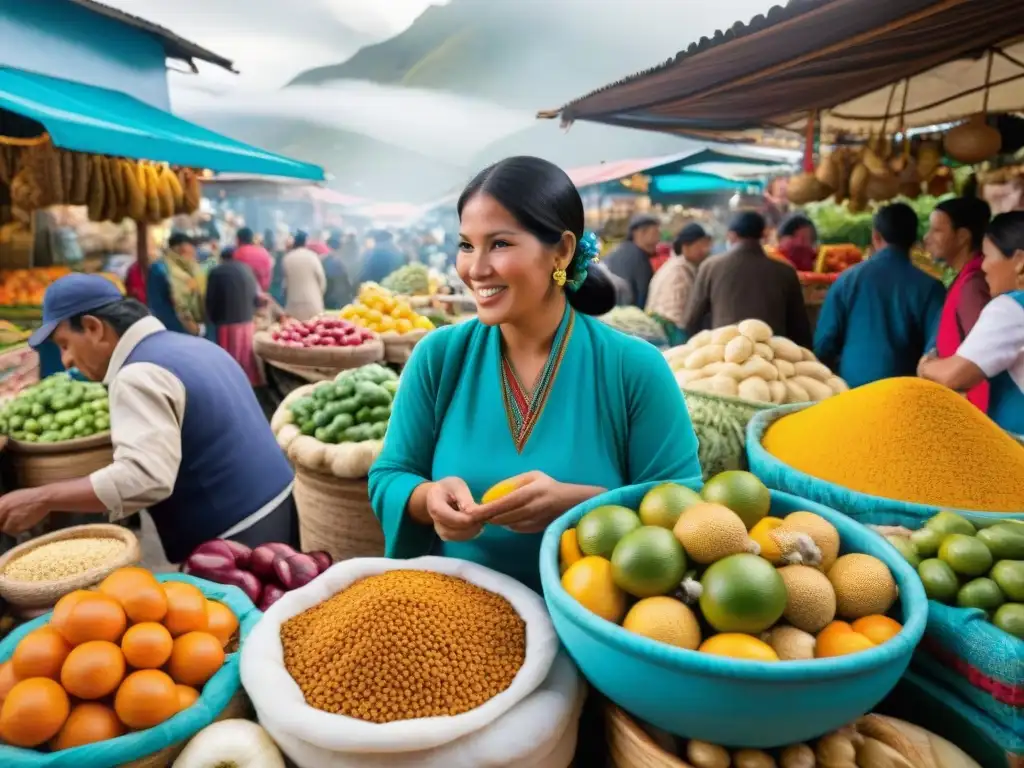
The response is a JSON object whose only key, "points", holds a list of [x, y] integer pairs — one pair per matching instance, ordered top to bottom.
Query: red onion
{"points": [[215, 547], [280, 548], [241, 553], [323, 559], [261, 562], [209, 565], [296, 571], [246, 582], [271, 594]]}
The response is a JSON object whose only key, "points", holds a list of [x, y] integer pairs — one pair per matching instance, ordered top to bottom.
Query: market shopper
{"points": [[955, 235], [798, 240], [256, 257], [381, 259], [631, 259], [304, 280], [745, 283], [176, 285], [340, 290], [669, 295], [232, 296], [879, 314], [994, 349], [535, 388], [190, 441]]}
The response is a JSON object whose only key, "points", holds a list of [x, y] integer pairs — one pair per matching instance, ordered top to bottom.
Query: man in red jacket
{"points": [[256, 257]]}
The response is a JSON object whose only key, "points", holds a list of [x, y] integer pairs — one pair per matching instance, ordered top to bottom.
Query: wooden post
{"points": [[142, 245]]}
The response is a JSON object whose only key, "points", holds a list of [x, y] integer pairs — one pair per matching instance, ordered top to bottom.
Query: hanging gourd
{"points": [[975, 140], [807, 187]]}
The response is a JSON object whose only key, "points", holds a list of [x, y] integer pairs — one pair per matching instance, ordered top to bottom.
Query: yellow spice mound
{"points": [[906, 439]]}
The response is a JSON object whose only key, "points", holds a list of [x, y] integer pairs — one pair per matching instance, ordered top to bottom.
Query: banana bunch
{"points": [[112, 188]]}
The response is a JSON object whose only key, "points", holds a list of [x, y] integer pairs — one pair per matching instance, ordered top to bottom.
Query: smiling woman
{"points": [[552, 398]]}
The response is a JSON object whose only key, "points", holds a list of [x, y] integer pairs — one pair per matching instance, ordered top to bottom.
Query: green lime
{"points": [[37, 410], [46, 420], [16, 422], [102, 423], [32, 427], [67, 433], [50, 436], [741, 492], [663, 504], [950, 522], [600, 529], [1005, 540], [926, 541], [904, 546], [966, 555], [648, 562], [1009, 575], [940, 582], [742, 593], [980, 593], [1010, 619]]}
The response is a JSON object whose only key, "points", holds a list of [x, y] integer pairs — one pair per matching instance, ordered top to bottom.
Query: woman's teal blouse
{"points": [[614, 417]]}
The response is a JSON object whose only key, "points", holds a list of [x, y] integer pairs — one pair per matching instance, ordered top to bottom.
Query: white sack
{"points": [[282, 708]]}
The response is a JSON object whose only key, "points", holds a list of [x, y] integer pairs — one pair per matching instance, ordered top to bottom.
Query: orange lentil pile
{"points": [[404, 645]]}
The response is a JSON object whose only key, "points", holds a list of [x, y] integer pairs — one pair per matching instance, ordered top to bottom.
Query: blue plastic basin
{"points": [[734, 702]]}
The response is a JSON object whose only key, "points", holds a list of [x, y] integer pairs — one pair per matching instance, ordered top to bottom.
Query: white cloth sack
{"points": [[282, 709], [538, 732]]}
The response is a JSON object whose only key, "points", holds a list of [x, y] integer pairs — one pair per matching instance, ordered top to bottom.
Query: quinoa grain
{"points": [[63, 559], [404, 645]]}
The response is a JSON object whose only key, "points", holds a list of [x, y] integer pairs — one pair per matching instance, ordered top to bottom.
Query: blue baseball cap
{"points": [[69, 296]]}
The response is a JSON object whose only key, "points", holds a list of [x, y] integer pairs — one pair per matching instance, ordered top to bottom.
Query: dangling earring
{"points": [[559, 277]]}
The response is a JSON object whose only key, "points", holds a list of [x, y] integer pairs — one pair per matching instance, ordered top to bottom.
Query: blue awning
{"points": [[84, 118]]}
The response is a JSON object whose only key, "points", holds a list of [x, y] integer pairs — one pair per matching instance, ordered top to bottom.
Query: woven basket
{"points": [[398, 346], [333, 358], [314, 375], [721, 427], [37, 464], [335, 516], [42, 594], [238, 707], [630, 747]]}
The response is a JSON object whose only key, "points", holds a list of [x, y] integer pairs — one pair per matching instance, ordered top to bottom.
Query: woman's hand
{"points": [[536, 502], [448, 503]]}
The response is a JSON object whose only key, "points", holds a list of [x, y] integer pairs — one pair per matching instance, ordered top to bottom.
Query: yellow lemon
{"points": [[423, 323], [402, 325], [496, 491], [759, 533], [568, 550], [590, 582], [666, 620], [738, 646]]}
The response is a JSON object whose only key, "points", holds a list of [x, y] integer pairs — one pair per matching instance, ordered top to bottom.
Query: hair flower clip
{"points": [[588, 251]]}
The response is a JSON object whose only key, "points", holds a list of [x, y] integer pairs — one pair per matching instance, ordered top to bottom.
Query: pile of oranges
{"points": [[25, 287], [125, 657]]}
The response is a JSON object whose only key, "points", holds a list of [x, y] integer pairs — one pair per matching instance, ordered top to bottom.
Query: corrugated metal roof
{"points": [[775, 15], [176, 47]]}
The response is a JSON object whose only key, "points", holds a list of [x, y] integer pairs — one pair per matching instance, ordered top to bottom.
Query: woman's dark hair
{"points": [[545, 202], [794, 223], [748, 225], [897, 225], [1006, 231], [227, 254], [119, 315]]}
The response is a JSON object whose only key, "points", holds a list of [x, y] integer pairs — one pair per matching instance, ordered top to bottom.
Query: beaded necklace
{"points": [[522, 408]]}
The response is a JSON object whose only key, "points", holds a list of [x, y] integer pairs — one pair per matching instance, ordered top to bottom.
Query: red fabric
{"points": [[320, 249], [661, 254], [801, 256], [260, 261], [135, 282], [950, 336], [236, 340], [1005, 693]]}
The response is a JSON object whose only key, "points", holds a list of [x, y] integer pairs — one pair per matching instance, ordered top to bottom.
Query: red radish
{"points": [[215, 547], [241, 553], [323, 559], [261, 562], [208, 566], [296, 571], [271, 594]]}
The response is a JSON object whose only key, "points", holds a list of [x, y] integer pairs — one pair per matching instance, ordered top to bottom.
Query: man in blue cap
{"points": [[191, 444]]}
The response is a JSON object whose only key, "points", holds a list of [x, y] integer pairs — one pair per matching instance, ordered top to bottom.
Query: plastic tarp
{"points": [[84, 118]]}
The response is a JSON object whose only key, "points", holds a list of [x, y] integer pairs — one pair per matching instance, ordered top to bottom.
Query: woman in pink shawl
{"points": [[955, 235]]}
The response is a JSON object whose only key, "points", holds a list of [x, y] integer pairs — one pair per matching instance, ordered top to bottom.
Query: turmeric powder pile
{"points": [[906, 439], [404, 645]]}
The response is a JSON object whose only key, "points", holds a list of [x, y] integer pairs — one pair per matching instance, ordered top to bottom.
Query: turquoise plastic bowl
{"points": [[734, 702]]}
